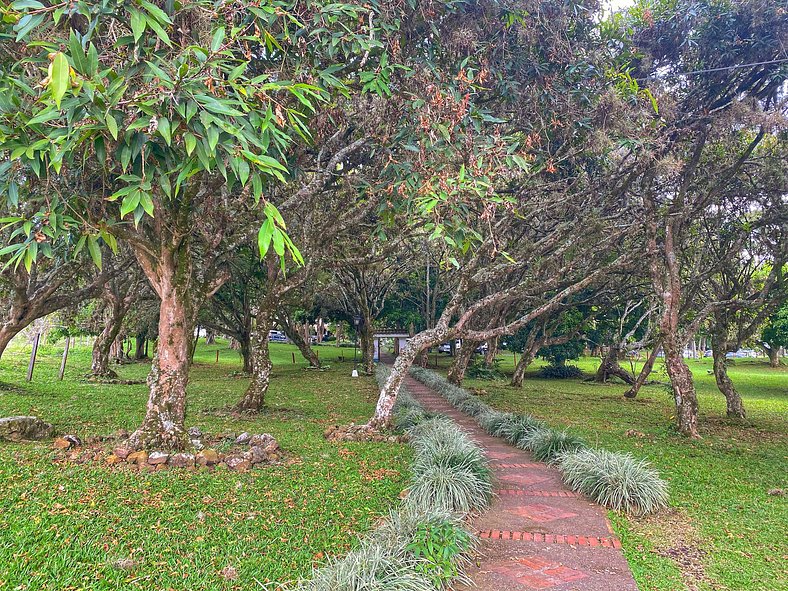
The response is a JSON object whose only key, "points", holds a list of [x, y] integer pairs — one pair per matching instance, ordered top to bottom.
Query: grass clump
{"points": [[471, 406], [494, 422], [518, 428], [546, 445], [616, 480], [455, 489], [371, 567]]}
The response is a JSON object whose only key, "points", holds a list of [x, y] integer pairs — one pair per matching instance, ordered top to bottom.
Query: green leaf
{"points": [[138, 24], [218, 39], [59, 77], [112, 126], [164, 129], [190, 142], [130, 202], [147, 203], [264, 237], [94, 250]]}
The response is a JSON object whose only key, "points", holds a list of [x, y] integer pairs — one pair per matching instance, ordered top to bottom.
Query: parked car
{"points": [[277, 336], [444, 348], [481, 348]]}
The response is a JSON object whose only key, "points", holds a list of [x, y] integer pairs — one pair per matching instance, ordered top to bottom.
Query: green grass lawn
{"points": [[89, 526], [724, 530]]}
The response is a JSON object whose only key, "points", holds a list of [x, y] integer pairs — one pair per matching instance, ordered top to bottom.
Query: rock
{"points": [[25, 428], [195, 432], [243, 438], [73, 440], [265, 441], [61, 443], [122, 452], [256, 455], [138, 457], [158, 457], [207, 457], [181, 460], [237, 463]]}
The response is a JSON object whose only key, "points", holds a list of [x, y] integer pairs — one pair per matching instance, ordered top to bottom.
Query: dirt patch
{"points": [[675, 537]]}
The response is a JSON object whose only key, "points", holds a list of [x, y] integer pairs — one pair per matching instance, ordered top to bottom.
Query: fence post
{"points": [[33, 354], [293, 354], [217, 355], [63, 361]]}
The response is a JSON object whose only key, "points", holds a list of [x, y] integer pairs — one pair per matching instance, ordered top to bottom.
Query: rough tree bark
{"points": [[119, 295], [298, 340], [492, 351], [772, 352], [99, 366], [610, 367], [457, 370], [644, 373], [388, 394], [684, 394], [254, 397], [735, 406], [163, 425]]}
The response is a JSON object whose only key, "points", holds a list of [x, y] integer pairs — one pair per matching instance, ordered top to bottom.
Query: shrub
{"points": [[481, 371], [560, 372], [471, 406], [410, 416], [494, 422], [518, 428], [547, 445], [468, 457], [616, 480], [454, 489], [442, 545], [371, 567]]}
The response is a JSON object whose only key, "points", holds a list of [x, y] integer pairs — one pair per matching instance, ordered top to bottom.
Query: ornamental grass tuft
{"points": [[546, 445], [618, 481]]}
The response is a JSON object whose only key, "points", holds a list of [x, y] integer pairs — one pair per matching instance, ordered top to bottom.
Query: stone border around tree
{"points": [[246, 451]]}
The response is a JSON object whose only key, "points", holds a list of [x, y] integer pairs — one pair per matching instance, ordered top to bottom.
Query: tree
{"points": [[714, 71], [178, 118], [499, 166], [49, 286], [117, 297], [774, 335]]}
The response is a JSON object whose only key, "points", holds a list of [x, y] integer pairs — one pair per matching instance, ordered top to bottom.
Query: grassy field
{"points": [[94, 527], [724, 531]]}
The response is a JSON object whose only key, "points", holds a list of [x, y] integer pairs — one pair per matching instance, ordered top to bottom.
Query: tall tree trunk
{"points": [[367, 339], [298, 340], [102, 346], [139, 347], [245, 350], [771, 350], [492, 352], [526, 359], [611, 367], [457, 370], [644, 373], [724, 383], [683, 386], [388, 394], [254, 397], [163, 426]]}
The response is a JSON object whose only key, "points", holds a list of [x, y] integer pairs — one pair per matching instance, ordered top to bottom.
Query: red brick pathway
{"points": [[537, 534]]}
